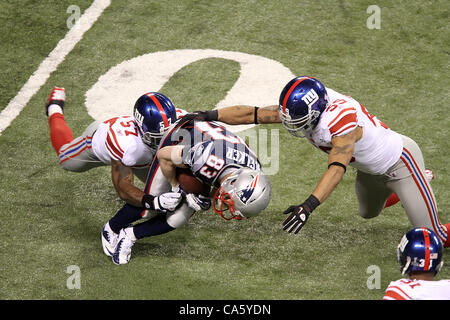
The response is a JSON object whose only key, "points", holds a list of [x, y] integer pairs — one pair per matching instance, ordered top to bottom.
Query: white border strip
{"points": [[40, 76]]}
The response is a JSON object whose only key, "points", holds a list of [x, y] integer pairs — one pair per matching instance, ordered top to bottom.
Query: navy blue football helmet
{"points": [[302, 101], [153, 113], [420, 250]]}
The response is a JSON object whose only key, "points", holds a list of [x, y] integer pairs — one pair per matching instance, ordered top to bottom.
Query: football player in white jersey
{"points": [[127, 144], [386, 161], [420, 257]]}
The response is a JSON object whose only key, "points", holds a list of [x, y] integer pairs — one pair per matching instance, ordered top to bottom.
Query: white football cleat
{"points": [[429, 175], [109, 240], [126, 240]]}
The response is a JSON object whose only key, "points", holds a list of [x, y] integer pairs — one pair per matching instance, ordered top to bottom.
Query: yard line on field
{"points": [[40, 76]]}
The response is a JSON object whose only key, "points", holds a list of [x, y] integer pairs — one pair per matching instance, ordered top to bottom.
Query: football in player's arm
{"points": [[242, 190]]}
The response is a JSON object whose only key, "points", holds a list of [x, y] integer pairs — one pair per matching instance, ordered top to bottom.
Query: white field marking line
{"points": [[40, 76]]}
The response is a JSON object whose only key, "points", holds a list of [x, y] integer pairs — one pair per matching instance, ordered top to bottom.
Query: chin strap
{"points": [[408, 262]]}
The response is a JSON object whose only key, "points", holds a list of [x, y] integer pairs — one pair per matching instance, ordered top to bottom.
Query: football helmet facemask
{"points": [[302, 101], [153, 113], [243, 194]]}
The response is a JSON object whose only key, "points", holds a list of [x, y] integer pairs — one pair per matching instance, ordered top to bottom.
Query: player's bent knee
{"points": [[70, 168], [366, 213], [180, 216]]}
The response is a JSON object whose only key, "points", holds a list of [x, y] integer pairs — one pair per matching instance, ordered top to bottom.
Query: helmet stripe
{"points": [[296, 83], [160, 108], [426, 237]]}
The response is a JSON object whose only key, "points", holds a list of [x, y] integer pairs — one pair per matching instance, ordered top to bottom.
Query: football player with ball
{"points": [[198, 161], [386, 161]]}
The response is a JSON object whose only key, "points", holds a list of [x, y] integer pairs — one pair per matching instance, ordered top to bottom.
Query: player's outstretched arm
{"points": [[241, 114], [340, 156], [338, 159]]}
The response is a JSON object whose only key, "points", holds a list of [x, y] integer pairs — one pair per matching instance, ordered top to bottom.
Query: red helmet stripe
{"points": [[296, 83], [160, 108], [255, 181], [426, 237]]}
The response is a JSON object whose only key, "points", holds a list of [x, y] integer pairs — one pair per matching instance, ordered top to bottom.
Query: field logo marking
{"points": [[40, 76], [259, 84]]}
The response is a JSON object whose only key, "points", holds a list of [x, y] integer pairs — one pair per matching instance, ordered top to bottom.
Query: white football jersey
{"points": [[118, 139], [377, 150], [405, 289]]}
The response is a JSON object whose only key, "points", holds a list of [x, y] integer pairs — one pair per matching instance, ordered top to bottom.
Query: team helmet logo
{"points": [[310, 97], [139, 117], [247, 193]]}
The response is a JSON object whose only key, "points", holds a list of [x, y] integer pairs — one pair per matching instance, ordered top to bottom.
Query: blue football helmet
{"points": [[302, 101], [153, 114], [420, 250]]}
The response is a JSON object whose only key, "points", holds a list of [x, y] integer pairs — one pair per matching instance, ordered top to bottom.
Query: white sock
{"points": [[54, 108]]}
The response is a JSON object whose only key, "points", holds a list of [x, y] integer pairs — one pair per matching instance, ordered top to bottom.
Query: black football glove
{"points": [[209, 115], [189, 118], [299, 214], [297, 218]]}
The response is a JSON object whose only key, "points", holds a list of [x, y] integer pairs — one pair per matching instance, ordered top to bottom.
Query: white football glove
{"points": [[167, 201], [198, 202]]}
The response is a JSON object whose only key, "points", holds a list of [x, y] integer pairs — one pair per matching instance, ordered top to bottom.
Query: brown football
{"points": [[191, 184]]}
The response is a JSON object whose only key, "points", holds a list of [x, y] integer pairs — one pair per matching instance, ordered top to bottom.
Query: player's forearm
{"points": [[241, 114], [236, 115], [168, 157], [338, 160], [168, 169], [123, 180], [328, 183], [131, 194]]}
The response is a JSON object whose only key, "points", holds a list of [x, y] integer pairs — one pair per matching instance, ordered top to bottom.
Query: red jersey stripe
{"points": [[340, 113], [349, 119], [345, 128], [115, 140], [112, 149], [113, 155], [399, 291], [393, 296]]}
